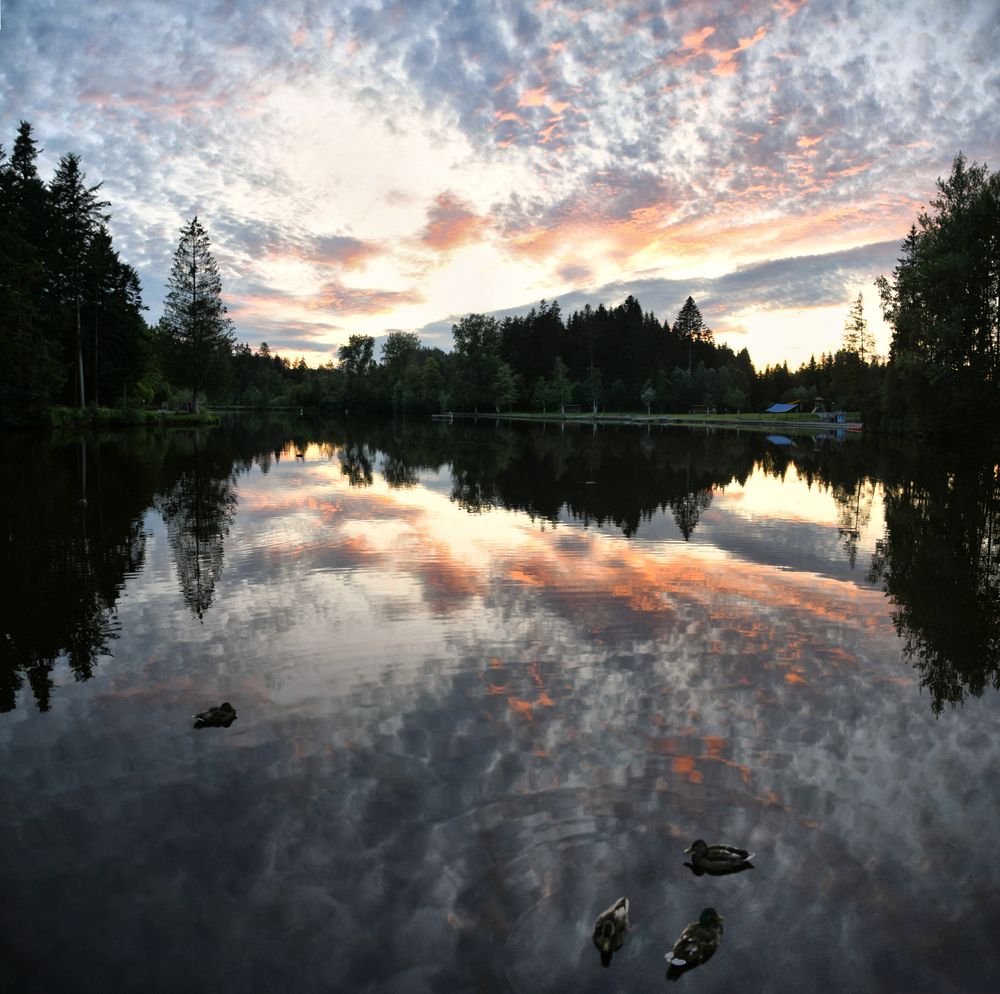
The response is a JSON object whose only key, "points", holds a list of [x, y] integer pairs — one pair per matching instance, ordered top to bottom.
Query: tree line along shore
{"points": [[79, 347]]}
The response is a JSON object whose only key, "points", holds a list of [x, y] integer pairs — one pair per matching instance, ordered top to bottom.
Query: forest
{"points": [[76, 334]]}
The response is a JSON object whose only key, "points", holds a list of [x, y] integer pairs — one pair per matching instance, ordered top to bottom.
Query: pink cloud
{"points": [[450, 223], [340, 250], [357, 300]]}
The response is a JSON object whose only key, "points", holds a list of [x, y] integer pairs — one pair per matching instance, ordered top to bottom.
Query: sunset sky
{"points": [[368, 166]]}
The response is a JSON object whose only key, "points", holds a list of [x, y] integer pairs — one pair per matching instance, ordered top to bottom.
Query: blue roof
{"points": [[782, 408]]}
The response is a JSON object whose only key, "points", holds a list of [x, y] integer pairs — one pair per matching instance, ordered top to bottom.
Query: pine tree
{"points": [[22, 160], [77, 216], [690, 324], [691, 328], [199, 337], [857, 338], [29, 376]]}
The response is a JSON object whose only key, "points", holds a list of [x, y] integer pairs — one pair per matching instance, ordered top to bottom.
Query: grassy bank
{"points": [[111, 417], [852, 418]]}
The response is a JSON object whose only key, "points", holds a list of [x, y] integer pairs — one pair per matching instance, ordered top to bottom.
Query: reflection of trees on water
{"points": [[356, 460], [610, 476], [687, 509], [198, 510], [854, 512], [74, 513], [73, 516], [74, 519], [72, 534], [939, 563]]}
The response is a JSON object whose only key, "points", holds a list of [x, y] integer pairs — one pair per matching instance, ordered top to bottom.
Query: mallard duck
{"points": [[221, 717], [718, 859], [610, 929], [696, 944]]}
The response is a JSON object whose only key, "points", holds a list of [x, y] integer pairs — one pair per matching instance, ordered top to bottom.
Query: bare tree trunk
{"points": [[79, 350], [97, 402]]}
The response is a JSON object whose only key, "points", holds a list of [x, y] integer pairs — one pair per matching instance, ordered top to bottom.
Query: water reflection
{"points": [[198, 507], [74, 516], [75, 519], [939, 563], [461, 733]]}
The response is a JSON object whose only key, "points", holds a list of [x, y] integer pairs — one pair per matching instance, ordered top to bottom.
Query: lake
{"points": [[489, 677]]}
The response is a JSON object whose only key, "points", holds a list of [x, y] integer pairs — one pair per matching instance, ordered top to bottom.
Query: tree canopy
{"points": [[64, 290], [943, 303]]}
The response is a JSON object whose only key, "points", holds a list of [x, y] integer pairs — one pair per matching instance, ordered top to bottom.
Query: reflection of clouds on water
{"points": [[443, 800]]}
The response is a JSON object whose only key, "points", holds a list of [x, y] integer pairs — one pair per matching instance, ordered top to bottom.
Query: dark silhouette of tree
{"points": [[77, 217], [943, 303], [69, 307], [690, 324], [198, 336], [857, 338], [399, 350], [477, 354], [357, 356], [29, 374], [504, 387]]}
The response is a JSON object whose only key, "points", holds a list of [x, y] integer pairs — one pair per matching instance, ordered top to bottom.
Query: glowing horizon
{"points": [[383, 167]]}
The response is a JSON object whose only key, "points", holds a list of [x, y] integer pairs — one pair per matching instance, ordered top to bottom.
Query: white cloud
{"points": [[608, 144]]}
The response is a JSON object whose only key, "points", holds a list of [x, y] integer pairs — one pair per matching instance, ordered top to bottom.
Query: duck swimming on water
{"points": [[221, 717], [718, 859], [610, 929], [696, 944]]}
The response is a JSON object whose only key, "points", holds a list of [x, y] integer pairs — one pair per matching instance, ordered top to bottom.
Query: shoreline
{"points": [[660, 420]]}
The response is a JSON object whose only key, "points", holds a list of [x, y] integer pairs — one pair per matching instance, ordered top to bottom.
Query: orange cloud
{"points": [[787, 8], [696, 39], [539, 97], [160, 102], [451, 223], [355, 300]]}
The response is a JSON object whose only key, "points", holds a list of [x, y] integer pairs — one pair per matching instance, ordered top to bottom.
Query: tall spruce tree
{"points": [[77, 216], [690, 324], [199, 336], [857, 338], [29, 375]]}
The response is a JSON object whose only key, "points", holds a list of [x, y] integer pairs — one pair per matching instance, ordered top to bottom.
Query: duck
{"points": [[221, 717], [718, 859], [610, 929], [696, 944]]}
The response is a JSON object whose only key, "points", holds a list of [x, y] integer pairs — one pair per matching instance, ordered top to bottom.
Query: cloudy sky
{"points": [[371, 165]]}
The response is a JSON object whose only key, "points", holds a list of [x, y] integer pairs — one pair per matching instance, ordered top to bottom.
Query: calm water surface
{"points": [[489, 679]]}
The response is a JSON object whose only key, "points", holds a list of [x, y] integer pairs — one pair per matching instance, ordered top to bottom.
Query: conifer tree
{"points": [[77, 216], [690, 324], [199, 336], [857, 338], [29, 376]]}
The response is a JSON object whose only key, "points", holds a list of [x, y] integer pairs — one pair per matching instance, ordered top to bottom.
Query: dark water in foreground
{"points": [[489, 679]]}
